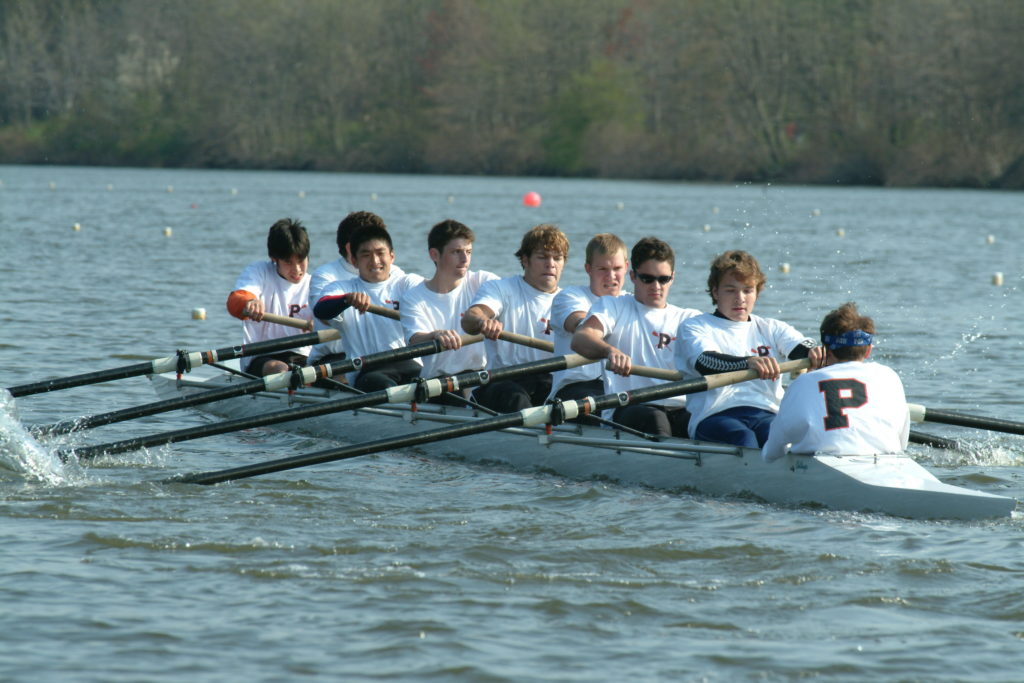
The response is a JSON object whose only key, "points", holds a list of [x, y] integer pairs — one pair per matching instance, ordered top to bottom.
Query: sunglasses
{"points": [[649, 279]]}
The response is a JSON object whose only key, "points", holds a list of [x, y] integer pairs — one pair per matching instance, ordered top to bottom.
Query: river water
{"points": [[397, 567]]}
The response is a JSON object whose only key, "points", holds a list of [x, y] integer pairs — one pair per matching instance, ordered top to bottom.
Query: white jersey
{"points": [[323, 276], [280, 297], [565, 303], [522, 309], [424, 310], [366, 333], [647, 335], [755, 337], [852, 408]]}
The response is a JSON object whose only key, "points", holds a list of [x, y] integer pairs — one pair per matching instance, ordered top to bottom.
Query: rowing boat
{"points": [[891, 484]]}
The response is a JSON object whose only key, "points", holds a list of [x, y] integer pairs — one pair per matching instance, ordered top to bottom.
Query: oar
{"points": [[287, 321], [543, 345], [181, 362], [282, 380], [415, 391], [920, 413], [528, 417], [932, 440]]}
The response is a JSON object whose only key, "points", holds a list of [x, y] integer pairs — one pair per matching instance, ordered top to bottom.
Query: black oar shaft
{"points": [[170, 363], [83, 379], [269, 382], [398, 394], [528, 416], [976, 421], [66, 426], [226, 426], [932, 440], [334, 454]]}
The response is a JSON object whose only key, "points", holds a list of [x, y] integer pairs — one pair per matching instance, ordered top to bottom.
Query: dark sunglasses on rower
{"points": [[648, 279]]}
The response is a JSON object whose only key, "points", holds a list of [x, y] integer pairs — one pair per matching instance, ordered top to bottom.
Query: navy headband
{"points": [[849, 338]]}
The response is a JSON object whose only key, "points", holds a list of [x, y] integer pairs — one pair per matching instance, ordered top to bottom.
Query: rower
{"points": [[606, 265], [342, 268], [279, 286], [519, 304], [433, 308], [643, 328], [362, 333], [733, 338], [849, 406]]}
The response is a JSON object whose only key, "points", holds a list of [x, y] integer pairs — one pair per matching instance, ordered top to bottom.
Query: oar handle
{"points": [[383, 312], [394, 315], [297, 323], [504, 336], [523, 340], [544, 345], [656, 373], [726, 378]]}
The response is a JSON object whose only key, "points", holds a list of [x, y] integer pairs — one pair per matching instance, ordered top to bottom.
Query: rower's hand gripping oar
{"points": [[543, 345], [181, 362], [282, 380], [418, 391], [920, 413], [528, 417]]}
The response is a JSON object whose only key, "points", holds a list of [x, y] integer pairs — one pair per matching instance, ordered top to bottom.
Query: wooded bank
{"points": [[890, 92]]}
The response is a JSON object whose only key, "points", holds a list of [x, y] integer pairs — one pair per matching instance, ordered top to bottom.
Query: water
{"points": [[396, 567]]}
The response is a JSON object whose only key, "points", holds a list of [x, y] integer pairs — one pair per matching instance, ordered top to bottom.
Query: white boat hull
{"points": [[890, 484]]}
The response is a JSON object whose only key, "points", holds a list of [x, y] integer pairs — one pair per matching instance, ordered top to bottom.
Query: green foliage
{"points": [[862, 91], [603, 96]]}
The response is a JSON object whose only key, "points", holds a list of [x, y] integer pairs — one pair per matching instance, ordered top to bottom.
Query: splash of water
{"points": [[966, 339], [20, 452]]}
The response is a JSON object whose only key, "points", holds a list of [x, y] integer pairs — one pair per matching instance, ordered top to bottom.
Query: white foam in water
{"points": [[20, 452]]}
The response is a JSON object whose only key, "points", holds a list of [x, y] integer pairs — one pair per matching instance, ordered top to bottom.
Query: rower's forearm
{"points": [[589, 347], [802, 350], [714, 363]]}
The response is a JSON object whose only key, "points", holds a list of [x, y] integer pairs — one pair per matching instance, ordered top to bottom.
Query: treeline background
{"points": [[891, 92]]}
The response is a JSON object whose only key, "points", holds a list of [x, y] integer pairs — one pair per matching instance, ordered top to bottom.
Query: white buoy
{"points": [[53, 185], [110, 187], [170, 188], [234, 190], [302, 194], [373, 196], [451, 199], [620, 206], [715, 209], [816, 212], [76, 227], [707, 228], [167, 231], [840, 232], [991, 239], [784, 267], [997, 279], [199, 314]]}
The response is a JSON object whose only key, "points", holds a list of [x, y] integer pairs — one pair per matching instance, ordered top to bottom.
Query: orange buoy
{"points": [[531, 199]]}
